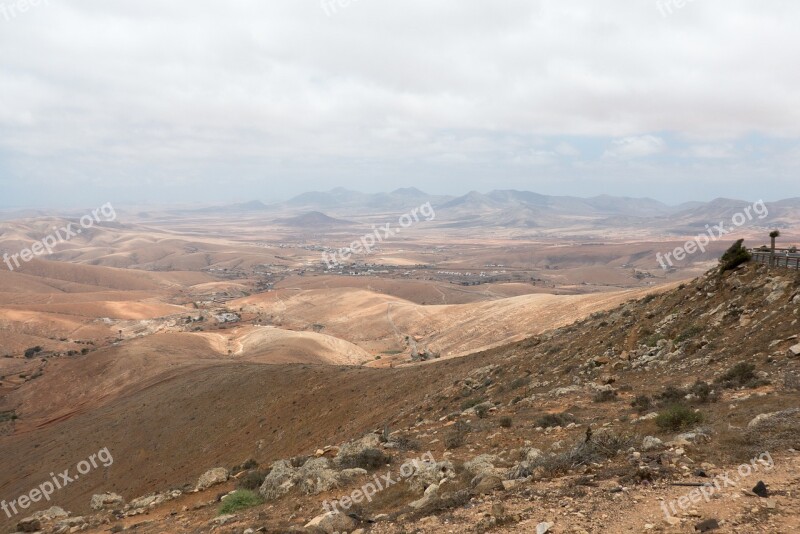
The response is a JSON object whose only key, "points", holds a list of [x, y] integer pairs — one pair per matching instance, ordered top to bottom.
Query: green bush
{"points": [[734, 256], [688, 333], [33, 351], [741, 375], [519, 382], [704, 392], [671, 395], [605, 396], [469, 403], [642, 403], [677, 417], [555, 419], [457, 436], [368, 459], [252, 480], [240, 500]]}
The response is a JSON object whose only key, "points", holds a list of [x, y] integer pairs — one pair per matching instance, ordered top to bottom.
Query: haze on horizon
{"points": [[145, 102]]}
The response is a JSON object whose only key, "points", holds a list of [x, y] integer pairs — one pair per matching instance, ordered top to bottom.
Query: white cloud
{"points": [[151, 89], [636, 147], [566, 149], [712, 151]]}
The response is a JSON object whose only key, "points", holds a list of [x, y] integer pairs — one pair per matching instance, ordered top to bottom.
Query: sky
{"points": [[142, 101]]}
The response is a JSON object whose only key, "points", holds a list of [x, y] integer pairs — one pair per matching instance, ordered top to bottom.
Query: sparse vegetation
{"points": [[734, 256], [688, 333], [33, 351], [741, 375], [791, 381], [519, 382], [606, 395], [471, 403], [642, 403], [8, 416], [677, 417], [555, 419], [506, 422], [457, 435], [406, 443], [601, 446], [367, 459], [252, 480], [241, 499]]}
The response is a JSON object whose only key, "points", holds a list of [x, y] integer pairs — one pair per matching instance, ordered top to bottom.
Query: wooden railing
{"points": [[781, 258]]}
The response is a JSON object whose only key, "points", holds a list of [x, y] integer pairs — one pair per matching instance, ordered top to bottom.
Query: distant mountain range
{"points": [[519, 209]]}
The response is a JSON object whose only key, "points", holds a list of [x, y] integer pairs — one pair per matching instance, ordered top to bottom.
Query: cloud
{"points": [[283, 96], [636, 147], [566, 149], [718, 151]]}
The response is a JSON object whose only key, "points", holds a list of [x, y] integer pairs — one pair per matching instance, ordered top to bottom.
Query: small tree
{"points": [[734, 256]]}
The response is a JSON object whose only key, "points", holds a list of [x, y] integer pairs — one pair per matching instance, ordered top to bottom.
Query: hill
{"points": [[562, 418]]}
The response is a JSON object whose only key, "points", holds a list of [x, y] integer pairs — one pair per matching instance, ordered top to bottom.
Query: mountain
{"points": [[340, 198], [313, 219], [581, 399]]}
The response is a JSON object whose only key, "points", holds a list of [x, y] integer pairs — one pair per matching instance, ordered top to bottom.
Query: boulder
{"points": [[794, 350], [763, 418], [696, 438], [650, 443], [351, 454], [481, 465], [428, 473], [315, 476], [212, 477], [279, 481], [488, 483], [430, 495], [105, 500], [52, 513], [331, 522], [29, 524]]}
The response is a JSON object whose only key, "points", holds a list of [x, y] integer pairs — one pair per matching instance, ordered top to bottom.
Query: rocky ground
{"points": [[676, 413]]}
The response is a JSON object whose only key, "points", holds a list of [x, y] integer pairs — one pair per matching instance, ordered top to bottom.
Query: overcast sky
{"points": [[196, 101]]}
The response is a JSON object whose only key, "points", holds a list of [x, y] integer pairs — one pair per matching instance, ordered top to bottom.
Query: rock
{"points": [[794, 350], [764, 417], [697, 437], [650, 443], [351, 454], [533, 454], [482, 465], [428, 473], [314, 476], [212, 477], [279, 481], [488, 484], [761, 489], [431, 494], [105, 500], [52, 513], [223, 519], [331, 522], [29, 524], [67, 525], [707, 525], [543, 528]]}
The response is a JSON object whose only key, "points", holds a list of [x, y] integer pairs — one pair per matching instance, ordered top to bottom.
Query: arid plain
{"points": [[198, 294]]}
